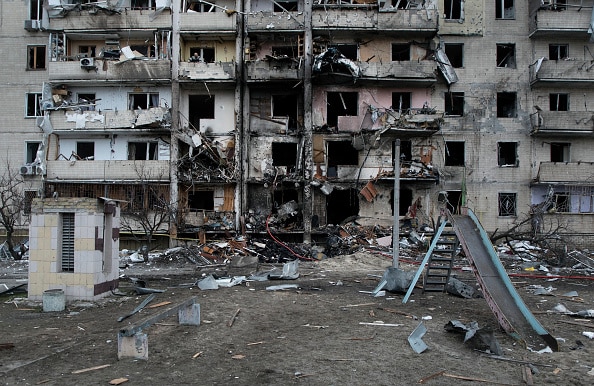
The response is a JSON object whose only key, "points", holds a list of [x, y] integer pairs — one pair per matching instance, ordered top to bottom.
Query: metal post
{"points": [[396, 226]]}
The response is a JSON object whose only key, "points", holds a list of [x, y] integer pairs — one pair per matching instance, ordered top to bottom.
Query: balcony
{"points": [[347, 19], [88, 20], [275, 21], [571, 21], [207, 22], [422, 22], [267, 70], [105, 71], [218, 71], [409, 71], [562, 73], [154, 119], [562, 123], [97, 171], [565, 173]]}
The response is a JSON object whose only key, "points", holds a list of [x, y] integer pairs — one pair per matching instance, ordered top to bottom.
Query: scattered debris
{"points": [[281, 287], [459, 288], [139, 308], [232, 320], [415, 338], [480, 338], [90, 369], [118, 381]]}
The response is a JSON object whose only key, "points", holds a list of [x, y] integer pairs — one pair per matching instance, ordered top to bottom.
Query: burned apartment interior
{"points": [[247, 116]]}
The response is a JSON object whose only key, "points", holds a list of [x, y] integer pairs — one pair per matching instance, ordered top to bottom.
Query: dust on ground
{"points": [[326, 331]]}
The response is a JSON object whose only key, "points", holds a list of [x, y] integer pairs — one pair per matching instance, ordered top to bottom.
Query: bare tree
{"points": [[12, 204], [148, 210]]}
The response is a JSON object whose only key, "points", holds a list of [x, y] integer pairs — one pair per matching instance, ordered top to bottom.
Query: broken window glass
{"points": [[400, 4], [284, 5], [196, 6], [35, 9], [453, 9], [504, 9], [350, 51], [558, 51], [400, 52], [455, 53], [202, 54], [506, 55], [36, 58], [143, 101], [401, 101], [558, 102], [454, 103], [340, 104], [33, 105], [506, 105], [286, 106], [201, 107], [85, 150], [31, 151], [143, 151], [560, 152], [342, 153], [454, 153], [284, 154], [507, 154], [201, 200], [454, 201], [561, 203], [507, 204], [341, 205]]}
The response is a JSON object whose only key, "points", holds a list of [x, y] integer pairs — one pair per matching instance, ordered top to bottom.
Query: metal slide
{"points": [[511, 312]]}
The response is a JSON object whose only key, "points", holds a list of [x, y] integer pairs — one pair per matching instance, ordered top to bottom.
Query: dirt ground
{"points": [[311, 335]]}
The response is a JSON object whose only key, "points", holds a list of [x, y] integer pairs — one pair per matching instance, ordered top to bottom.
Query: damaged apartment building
{"points": [[245, 116]]}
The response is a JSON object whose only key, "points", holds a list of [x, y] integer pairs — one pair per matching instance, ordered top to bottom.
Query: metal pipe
{"points": [[396, 226]]}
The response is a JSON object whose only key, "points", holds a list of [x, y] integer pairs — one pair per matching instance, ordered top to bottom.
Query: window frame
{"points": [[500, 10], [450, 15], [451, 46], [396, 48], [559, 48], [33, 55], [507, 59], [149, 100], [556, 102], [36, 105], [503, 107], [453, 110], [449, 159], [501, 159], [510, 210]]}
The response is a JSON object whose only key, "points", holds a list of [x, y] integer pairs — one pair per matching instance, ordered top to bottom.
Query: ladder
{"points": [[441, 259]]}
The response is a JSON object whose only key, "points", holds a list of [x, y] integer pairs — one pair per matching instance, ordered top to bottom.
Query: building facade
{"points": [[251, 115]]}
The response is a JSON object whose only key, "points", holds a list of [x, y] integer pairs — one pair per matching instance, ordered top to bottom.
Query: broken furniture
{"points": [[133, 343]]}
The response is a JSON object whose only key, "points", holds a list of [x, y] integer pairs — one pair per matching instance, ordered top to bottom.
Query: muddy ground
{"points": [[310, 335]]}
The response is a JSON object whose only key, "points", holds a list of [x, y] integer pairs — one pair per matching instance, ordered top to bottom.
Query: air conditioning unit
{"points": [[32, 25], [87, 63], [28, 170], [39, 170]]}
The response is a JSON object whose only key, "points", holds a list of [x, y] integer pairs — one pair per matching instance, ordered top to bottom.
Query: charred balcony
{"points": [[108, 19], [570, 19], [275, 69], [93, 70], [216, 71], [563, 72], [562, 123]]}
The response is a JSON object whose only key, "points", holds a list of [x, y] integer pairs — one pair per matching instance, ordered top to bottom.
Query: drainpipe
{"points": [[175, 102], [241, 154], [308, 165], [396, 226]]}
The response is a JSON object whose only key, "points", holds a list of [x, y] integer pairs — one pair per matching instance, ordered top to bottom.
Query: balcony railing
{"points": [[353, 19], [88, 20], [562, 20], [207, 21], [275, 21], [412, 21], [292, 69], [101, 70], [410, 70], [207, 71], [562, 72], [153, 119], [563, 123], [64, 170], [571, 173]]}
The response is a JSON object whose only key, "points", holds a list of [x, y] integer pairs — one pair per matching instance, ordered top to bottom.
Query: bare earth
{"points": [[312, 335]]}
